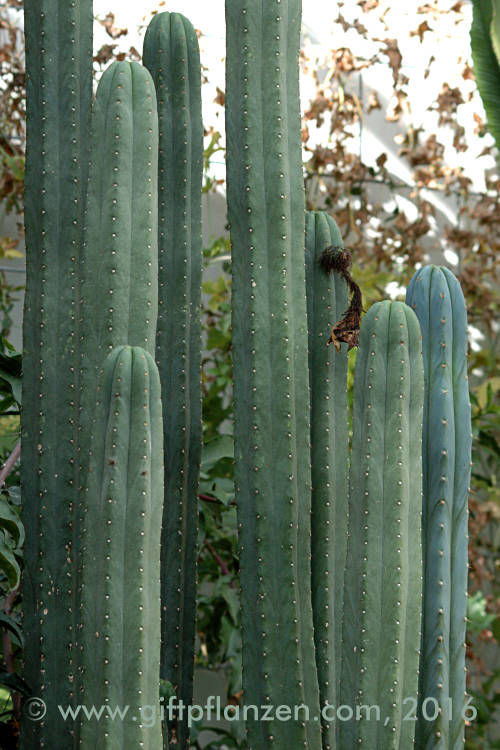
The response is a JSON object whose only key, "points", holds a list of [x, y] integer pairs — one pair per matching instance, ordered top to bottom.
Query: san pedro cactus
{"points": [[485, 48], [172, 55], [58, 81], [120, 254], [435, 295], [327, 300], [271, 389], [121, 524], [383, 585]]}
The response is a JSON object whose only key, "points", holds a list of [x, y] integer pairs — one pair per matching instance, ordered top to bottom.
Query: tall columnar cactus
{"points": [[485, 48], [172, 55], [59, 64], [120, 254], [435, 295], [327, 300], [271, 390], [121, 528], [382, 595]]}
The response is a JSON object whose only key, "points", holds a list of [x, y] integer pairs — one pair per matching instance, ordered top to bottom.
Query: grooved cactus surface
{"points": [[172, 55], [59, 62], [120, 254], [435, 295], [327, 300], [271, 389], [121, 523], [383, 586]]}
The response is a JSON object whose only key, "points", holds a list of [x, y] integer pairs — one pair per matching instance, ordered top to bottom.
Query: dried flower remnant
{"points": [[347, 328]]}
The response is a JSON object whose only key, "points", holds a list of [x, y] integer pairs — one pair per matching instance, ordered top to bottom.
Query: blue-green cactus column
{"points": [[172, 55], [59, 86], [119, 291], [435, 295], [327, 300], [271, 389], [121, 526], [383, 579]]}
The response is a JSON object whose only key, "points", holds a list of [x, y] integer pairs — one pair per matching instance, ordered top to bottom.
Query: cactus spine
{"points": [[172, 55], [59, 66], [435, 295], [327, 300], [271, 389], [121, 554], [382, 595]]}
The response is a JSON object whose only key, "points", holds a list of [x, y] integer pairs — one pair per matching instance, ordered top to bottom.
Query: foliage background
{"points": [[400, 155]]}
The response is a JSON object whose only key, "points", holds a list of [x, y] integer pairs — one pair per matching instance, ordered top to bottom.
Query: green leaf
{"points": [[495, 29], [486, 65], [217, 339], [10, 372], [220, 447], [14, 494], [10, 522], [10, 566], [232, 600], [477, 617], [9, 624], [14, 682]]}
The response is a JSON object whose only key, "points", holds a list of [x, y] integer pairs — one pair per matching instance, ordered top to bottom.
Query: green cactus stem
{"points": [[171, 53], [59, 87], [120, 254], [435, 295], [327, 300], [271, 388], [121, 524], [382, 593]]}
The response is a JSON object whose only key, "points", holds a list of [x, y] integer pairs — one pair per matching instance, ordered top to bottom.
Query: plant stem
{"points": [[10, 463]]}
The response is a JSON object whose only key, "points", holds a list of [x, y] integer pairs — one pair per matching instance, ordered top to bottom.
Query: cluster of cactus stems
{"points": [[343, 601]]}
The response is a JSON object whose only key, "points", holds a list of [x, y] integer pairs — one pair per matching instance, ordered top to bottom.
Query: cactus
{"points": [[485, 48], [172, 55], [59, 86], [120, 254], [435, 295], [69, 296], [327, 300], [271, 390], [93, 518], [121, 524], [382, 594]]}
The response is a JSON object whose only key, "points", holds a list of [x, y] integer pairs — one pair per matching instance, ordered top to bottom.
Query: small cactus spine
{"points": [[171, 53], [59, 87], [435, 295], [327, 300], [271, 388], [122, 512], [383, 587]]}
